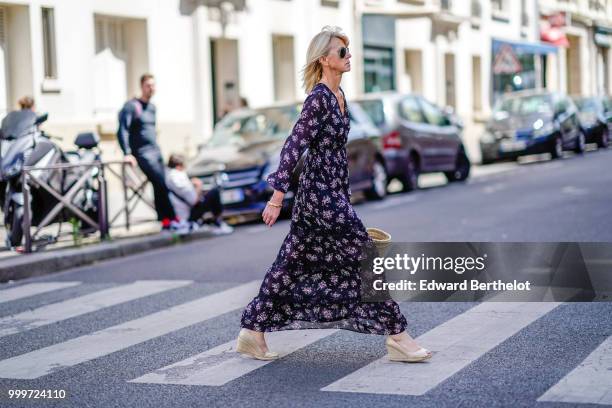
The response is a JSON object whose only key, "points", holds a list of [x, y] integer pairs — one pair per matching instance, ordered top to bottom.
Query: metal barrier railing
{"points": [[130, 183], [133, 192]]}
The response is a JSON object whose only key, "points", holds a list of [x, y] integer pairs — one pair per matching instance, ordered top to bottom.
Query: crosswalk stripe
{"points": [[31, 289], [84, 304], [455, 344], [59, 356], [222, 364], [589, 383]]}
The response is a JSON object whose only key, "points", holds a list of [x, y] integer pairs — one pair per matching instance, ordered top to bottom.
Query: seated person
{"points": [[189, 200]]}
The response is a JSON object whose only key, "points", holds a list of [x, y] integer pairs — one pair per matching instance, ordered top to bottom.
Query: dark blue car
{"points": [[595, 114], [532, 122], [245, 147]]}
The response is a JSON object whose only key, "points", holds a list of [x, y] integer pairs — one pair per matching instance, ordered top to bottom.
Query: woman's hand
{"points": [[131, 160], [270, 214]]}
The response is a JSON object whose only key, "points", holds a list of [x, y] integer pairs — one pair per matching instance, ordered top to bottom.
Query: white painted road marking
{"points": [[23, 291], [81, 305], [455, 344], [59, 356], [222, 364], [589, 383]]}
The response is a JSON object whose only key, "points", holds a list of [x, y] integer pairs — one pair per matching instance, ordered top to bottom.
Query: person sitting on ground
{"points": [[188, 198]]}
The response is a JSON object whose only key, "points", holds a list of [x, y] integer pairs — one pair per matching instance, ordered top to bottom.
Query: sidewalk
{"points": [[143, 235], [42, 263]]}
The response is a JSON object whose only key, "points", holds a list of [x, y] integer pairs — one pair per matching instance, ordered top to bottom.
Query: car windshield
{"points": [[587, 104], [524, 105], [374, 109], [358, 115], [245, 128]]}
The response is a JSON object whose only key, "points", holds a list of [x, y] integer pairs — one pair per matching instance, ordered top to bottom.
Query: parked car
{"points": [[595, 115], [530, 122], [418, 137], [245, 148]]}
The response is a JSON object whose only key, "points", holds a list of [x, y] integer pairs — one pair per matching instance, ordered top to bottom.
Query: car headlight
{"points": [[588, 120], [589, 124], [544, 130]]}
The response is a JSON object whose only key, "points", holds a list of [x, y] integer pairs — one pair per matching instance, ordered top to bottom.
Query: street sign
{"points": [[506, 61]]}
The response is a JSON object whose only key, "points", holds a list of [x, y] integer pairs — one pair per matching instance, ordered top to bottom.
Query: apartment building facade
{"points": [[583, 28], [82, 59]]}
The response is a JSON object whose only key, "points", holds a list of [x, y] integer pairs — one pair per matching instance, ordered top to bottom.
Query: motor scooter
{"points": [[22, 143]]}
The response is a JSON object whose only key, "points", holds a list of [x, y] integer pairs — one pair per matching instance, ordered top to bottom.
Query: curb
{"points": [[44, 263]]}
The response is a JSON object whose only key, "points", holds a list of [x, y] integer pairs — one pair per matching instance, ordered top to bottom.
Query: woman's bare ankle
{"points": [[399, 336], [259, 338], [406, 341]]}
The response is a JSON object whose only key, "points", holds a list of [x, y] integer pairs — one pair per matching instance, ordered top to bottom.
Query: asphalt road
{"points": [[110, 340]]}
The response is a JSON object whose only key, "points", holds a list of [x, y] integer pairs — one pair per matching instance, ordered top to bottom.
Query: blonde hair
{"points": [[319, 47]]}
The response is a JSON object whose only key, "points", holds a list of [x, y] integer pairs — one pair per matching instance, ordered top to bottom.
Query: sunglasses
{"points": [[342, 51]]}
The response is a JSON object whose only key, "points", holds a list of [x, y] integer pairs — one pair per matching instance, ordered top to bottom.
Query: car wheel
{"points": [[604, 138], [580, 143], [557, 148], [462, 168], [410, 180], [378, 191]]}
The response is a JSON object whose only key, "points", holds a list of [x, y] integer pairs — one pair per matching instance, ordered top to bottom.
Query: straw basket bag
{"points": [[382, 239]]}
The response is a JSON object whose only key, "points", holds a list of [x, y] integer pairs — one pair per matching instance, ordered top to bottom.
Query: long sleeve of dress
{"points": [[304, 131]]}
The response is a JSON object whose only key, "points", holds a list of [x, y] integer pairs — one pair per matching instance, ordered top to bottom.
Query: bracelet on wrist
{"points": [[275, 204]]}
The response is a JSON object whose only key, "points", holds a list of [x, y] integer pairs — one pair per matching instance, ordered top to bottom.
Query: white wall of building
{"points": [[164, 38], [171, 39]]}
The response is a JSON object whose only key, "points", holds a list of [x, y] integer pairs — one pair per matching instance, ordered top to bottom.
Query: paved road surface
{"points": [[158, 329]]}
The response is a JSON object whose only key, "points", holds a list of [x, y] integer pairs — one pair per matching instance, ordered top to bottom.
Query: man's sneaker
{"points": [[165, 224], [178, 227], [205, 228], [221, 228]]}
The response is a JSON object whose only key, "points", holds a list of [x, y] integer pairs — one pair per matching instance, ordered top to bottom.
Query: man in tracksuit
{"points": [[137, 138]]}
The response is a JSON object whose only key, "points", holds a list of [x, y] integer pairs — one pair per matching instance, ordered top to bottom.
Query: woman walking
{"points": [[314, 281]]}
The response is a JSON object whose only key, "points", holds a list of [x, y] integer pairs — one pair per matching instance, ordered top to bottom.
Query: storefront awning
{"points": [[552, 29], [604, 29], [555, 36], [603, 36], [524, 47]]}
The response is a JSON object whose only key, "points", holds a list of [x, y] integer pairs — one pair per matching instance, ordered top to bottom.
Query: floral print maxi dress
{"points": [[314, 281]]}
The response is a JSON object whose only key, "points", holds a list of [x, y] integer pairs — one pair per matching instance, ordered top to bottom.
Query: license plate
{"points": [[512, 145], [232, 196]]}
